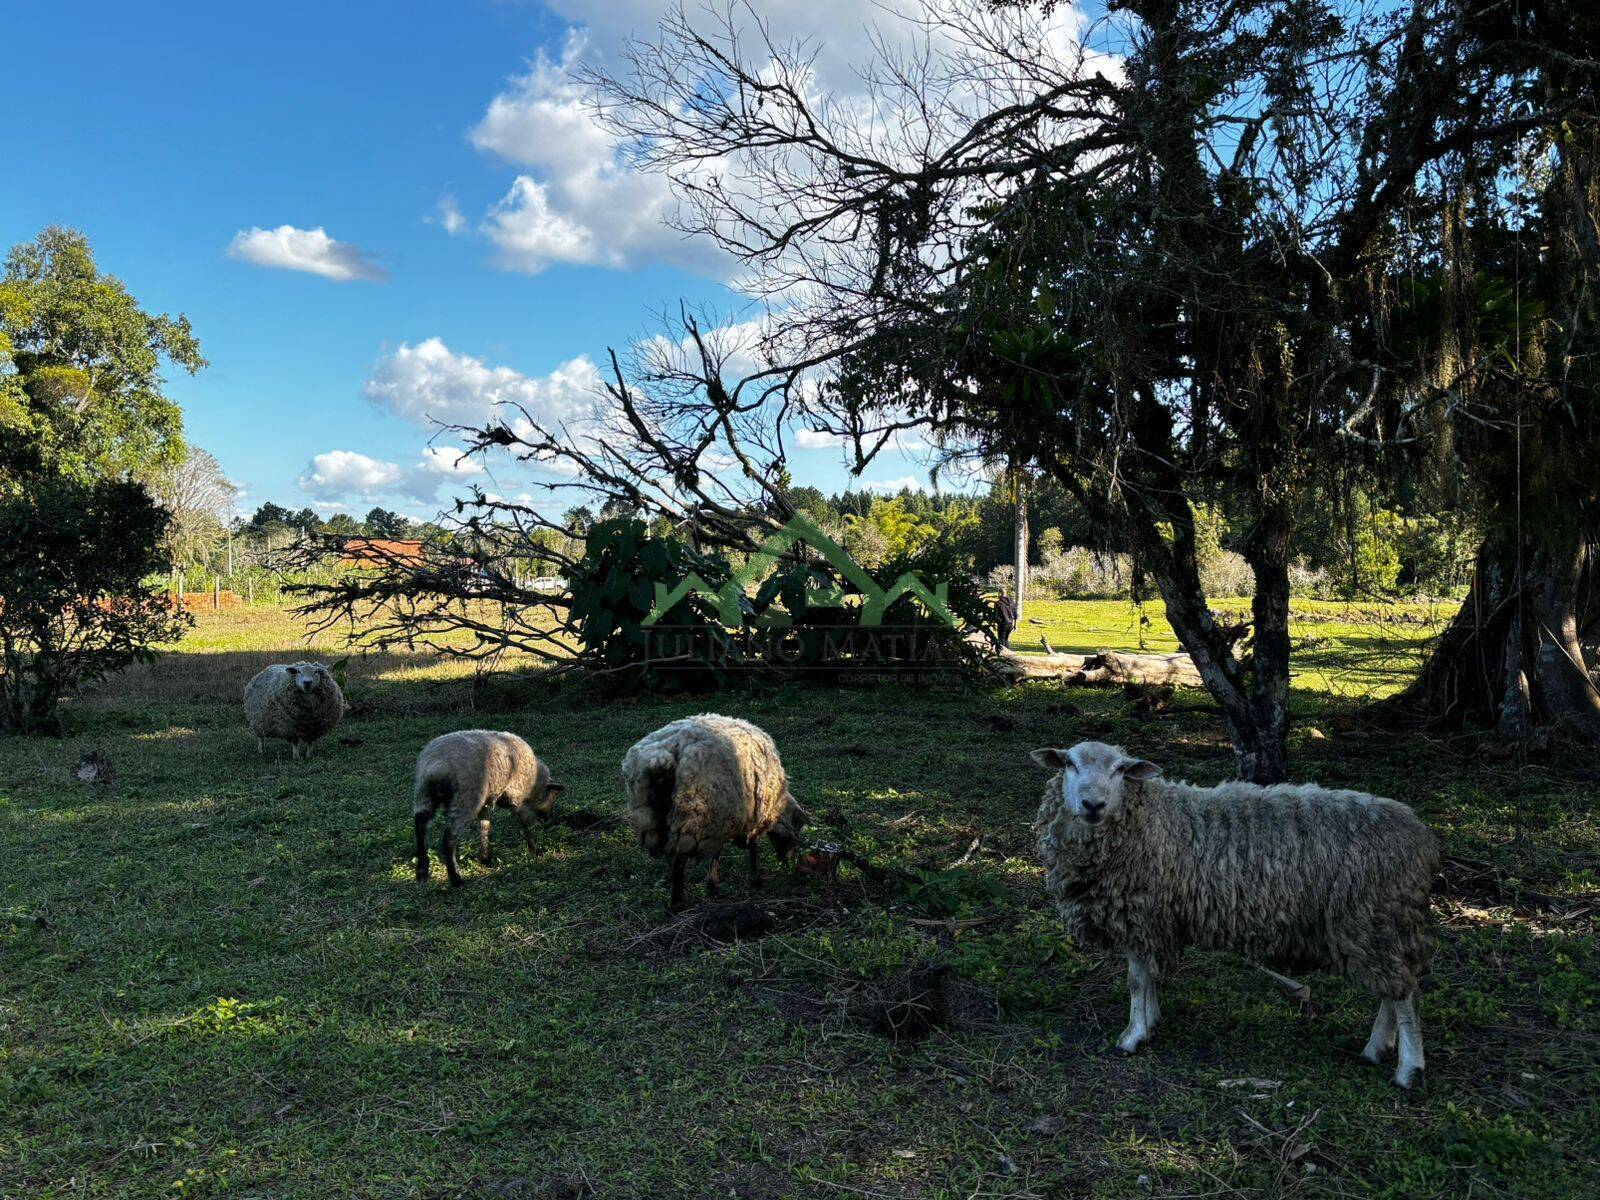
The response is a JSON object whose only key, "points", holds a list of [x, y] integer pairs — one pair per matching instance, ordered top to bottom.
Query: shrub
{"points": [[1437, 553], [1227, 574], [614, 591], [74, 605]]}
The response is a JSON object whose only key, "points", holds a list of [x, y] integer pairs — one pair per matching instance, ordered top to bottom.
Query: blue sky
{"points": [[169, 132]]}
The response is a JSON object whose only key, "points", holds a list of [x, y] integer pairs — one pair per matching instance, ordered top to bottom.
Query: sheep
{"points": [[298, 702], [466, 773], [704, 781], [1293, 874]]}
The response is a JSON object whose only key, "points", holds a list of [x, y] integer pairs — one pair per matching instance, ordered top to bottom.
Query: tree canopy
{"points": [[81, 387]]}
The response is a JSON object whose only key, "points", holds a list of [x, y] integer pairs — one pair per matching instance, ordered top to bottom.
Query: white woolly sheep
{"points": [[298, 702], [468, 772], [702, 782], [1290, 874]]}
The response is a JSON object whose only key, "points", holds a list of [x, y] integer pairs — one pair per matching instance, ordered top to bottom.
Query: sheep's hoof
{"points": [[1127, 1044], [1406, 1076]]}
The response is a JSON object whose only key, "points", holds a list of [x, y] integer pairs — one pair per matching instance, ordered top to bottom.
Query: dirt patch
{"points": [[582, 821], [726, 923], [909, 1006], [905, 1007]]}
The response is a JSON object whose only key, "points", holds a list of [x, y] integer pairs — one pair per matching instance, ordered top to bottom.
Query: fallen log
{"points": [[1107, 668]]}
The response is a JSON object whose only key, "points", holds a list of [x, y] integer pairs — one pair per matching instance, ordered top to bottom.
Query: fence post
{"points": [[250, 590], [216, 592]]}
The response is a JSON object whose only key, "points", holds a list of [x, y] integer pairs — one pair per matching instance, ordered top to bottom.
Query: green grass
{"points": [[1347, 650], [217, 977]]}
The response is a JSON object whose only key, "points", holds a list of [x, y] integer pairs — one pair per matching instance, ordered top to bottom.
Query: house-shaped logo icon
{"points": [[732, 601]]}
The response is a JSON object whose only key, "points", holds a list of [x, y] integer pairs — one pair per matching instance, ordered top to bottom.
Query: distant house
{"points": [[382, 552]]}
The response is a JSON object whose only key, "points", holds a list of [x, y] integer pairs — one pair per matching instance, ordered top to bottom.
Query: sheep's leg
{"points": [[525, 819], [420, 821], [483, 843], [754, 846], [447, 851], [679, 862], [714, 879], [1143, 1009], [1410, 1030], [1383, 1033]]}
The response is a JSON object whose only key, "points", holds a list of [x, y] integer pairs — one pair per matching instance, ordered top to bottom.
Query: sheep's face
{"points": [[307, 677], [1091, 779], [543, 800]]}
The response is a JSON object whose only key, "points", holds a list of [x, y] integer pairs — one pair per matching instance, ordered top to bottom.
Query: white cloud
{"points": [[577, 200], [448, 214], [310, 250], [431, 382], [817, 439], [448, 463], [345, 472], [891, 487]]}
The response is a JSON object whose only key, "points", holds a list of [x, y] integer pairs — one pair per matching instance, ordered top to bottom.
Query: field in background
{"points": [[1346, 650], [217, 977]]}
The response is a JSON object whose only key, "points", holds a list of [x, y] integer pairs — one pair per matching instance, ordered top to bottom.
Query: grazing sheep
{"points": [[298, 702], [466, 773], [699, 783], [1292, 874]]}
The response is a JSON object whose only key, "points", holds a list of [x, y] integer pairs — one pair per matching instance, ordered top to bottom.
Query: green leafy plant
{"points": [[614, 590], [75, 604], [947, 893]]}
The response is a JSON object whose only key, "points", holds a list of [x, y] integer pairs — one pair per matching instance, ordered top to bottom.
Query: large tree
{"points": [[1144, 274], [1502, 319], [80, 363], [83, 422], [198, 498]]}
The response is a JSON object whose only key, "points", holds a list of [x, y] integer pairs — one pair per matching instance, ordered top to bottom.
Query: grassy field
{"points": [[1343, 650], [217, 977]]}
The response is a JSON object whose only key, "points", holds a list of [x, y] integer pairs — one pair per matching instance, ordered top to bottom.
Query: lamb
{"points": [[298, 702], [468, 772], [701, 782], [1296, 875]]}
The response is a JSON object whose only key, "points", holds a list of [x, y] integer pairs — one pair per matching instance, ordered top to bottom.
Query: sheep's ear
{"points": [[1051, 758], [1138, 768], [550, 789]]}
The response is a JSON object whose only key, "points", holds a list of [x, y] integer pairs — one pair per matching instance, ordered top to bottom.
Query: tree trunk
{"points": [[1018, 481], [1513, 658], [1255, 704], [1264, 757]]}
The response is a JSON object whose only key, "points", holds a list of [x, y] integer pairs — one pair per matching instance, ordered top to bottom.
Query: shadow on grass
{"points": [[384, 681]]}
